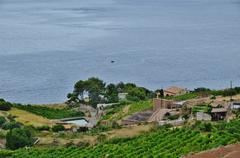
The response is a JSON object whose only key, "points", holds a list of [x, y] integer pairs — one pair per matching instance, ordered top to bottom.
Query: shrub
{"points": [[229, 92], [213, 97], [5, 106], [173, 117], [2, 120], [11, 125], [115, 125], [205, 127], [43, 128], [58, 128], [82, 129], [17, 138], [101, 138], [83, 144], [5, 153]]}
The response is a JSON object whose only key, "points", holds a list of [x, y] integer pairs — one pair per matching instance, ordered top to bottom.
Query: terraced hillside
{"points": [[162, 142]]}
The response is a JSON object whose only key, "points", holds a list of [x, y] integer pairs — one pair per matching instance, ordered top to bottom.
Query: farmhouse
{"points": [[174, 91]]}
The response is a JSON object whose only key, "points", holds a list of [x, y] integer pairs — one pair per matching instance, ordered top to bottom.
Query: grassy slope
{"points": [[51, 113], [117, 113], [28, 118], [162, 143]]}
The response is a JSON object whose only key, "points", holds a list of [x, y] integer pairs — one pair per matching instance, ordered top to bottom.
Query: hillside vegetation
{"points": [[120, 111], [50, 113], [28, 118], [162, 142]]}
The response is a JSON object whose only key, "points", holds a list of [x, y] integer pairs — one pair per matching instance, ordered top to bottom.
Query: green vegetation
{"points": [[99, 92], [204, 92], [187, 96], [5, 106], [139, 106], [202, 108], [114, 112], [117, 112], [50, 113], [173, 117], [2, 121], [11, 125], [43, 128], [57, 128], [18, 138], [161, 142]]}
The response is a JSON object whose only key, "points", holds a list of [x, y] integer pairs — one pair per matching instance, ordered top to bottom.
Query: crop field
{"points": [[161, 142]]}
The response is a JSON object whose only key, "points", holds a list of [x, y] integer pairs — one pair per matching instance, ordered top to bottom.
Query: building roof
{"points": [[174, 89], [236, 103], [216, 110]]}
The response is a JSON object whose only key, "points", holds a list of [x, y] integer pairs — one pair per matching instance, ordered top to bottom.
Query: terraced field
{"points": [[159, 143]]}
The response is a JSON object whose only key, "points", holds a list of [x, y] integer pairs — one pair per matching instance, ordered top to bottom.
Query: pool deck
{"points": [[91, 121]]}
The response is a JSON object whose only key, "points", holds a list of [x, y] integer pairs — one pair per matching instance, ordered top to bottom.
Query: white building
{"points": [[122, 96], [235, 105], [102, 106]]}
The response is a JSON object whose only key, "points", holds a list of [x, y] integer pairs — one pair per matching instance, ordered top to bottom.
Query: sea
{"points": [[48, 45]]}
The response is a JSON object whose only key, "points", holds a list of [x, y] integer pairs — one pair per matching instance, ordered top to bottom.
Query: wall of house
{"points": [[162, 103]]}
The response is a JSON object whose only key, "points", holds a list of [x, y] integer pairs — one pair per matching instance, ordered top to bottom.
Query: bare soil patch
{"points": [[230, 151]]}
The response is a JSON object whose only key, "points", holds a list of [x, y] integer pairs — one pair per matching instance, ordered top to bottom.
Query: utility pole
{"points": [[231, 86]]}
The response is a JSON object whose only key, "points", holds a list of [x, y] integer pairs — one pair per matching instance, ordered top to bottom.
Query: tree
{"points": [[93, 87], [120, 87], [98, 92], [160, 92], [229, 92], [111, 93], [136, 94], [2, 120], [11, 125], [18, 138]]}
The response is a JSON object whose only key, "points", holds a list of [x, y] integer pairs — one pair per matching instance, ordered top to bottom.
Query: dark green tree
{"points": [[93, 87], [111, 93], [5, 106], [2, 121], [11, 125], [18, 138]]}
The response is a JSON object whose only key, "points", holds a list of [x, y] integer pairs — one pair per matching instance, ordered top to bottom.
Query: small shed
{"points": [[219, 114]]}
